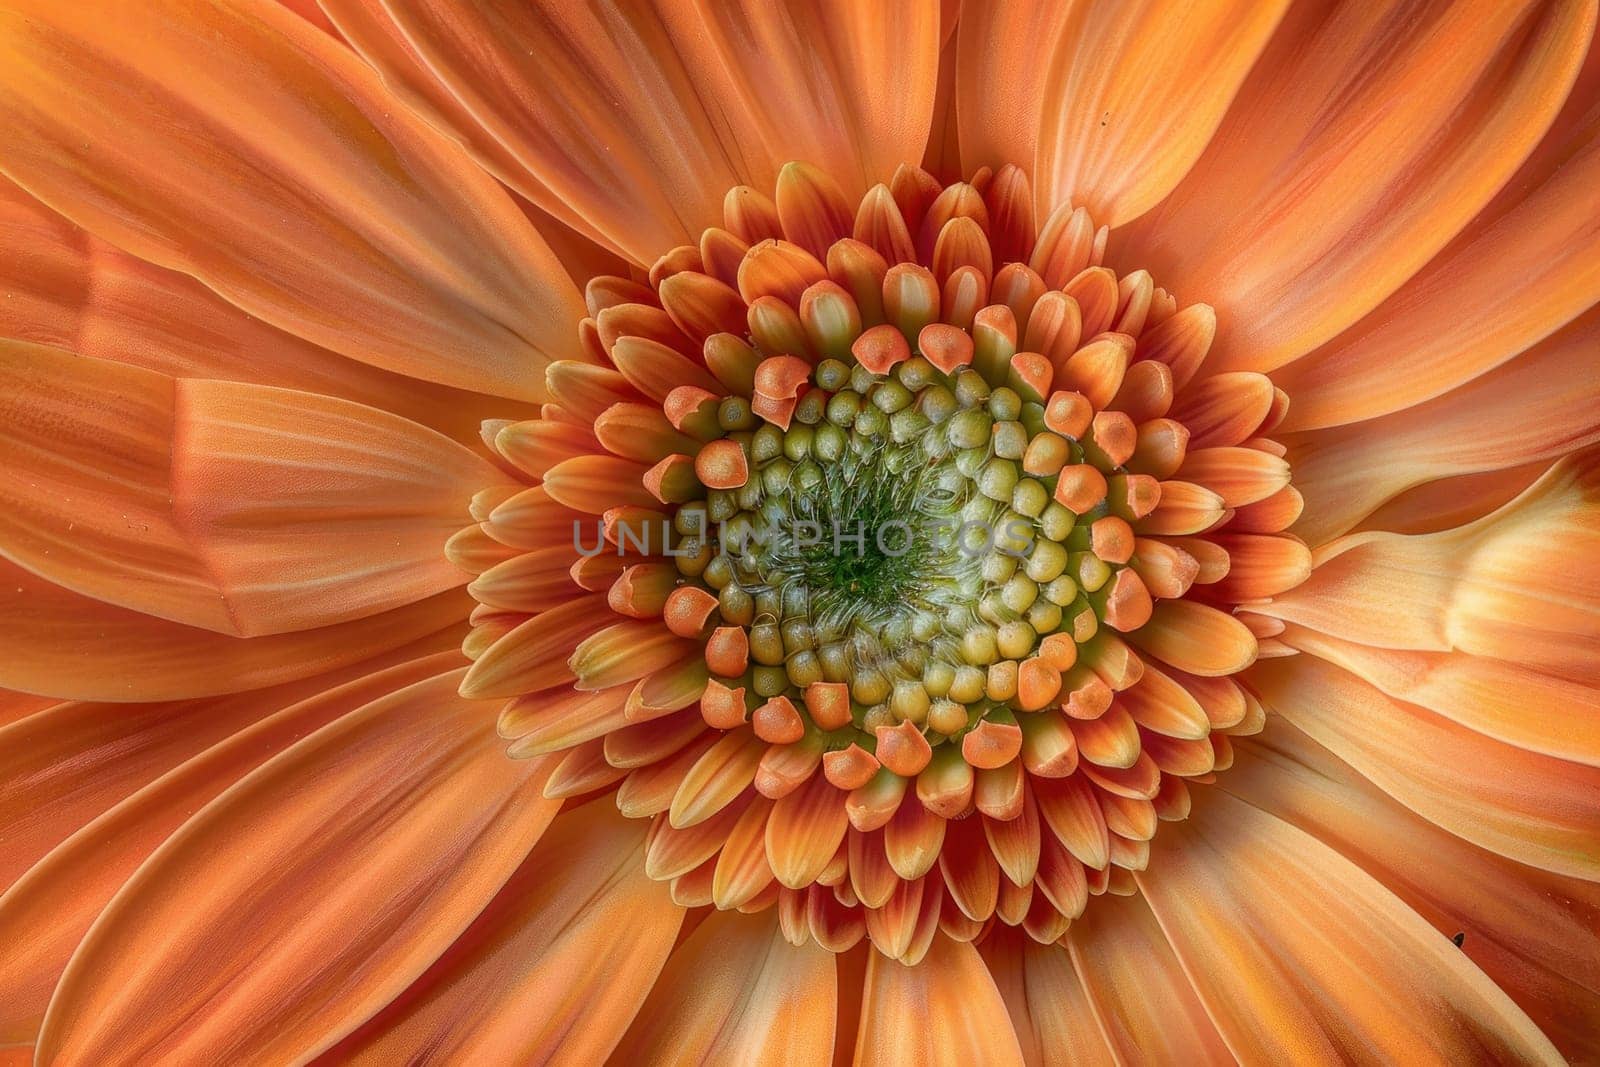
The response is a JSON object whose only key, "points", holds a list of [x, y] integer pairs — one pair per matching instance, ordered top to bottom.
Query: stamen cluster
{"points": [[918, 537]]}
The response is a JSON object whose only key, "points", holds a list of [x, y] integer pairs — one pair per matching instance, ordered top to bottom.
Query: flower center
{"points": [[920, 543], [839, 549], [894, 560]]}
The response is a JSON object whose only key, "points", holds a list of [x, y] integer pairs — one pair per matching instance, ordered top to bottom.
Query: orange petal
{"points": [[1003, 54], [406, 76], [1116, 141], [256, 153], [644, 164], [1333, 179], [811, 208], [1515, 277], [71, 290], [702, 305], [1181, 341], [656, 370], [1096, 370], [584, 390], [1539, 406], [1225, 409], [536, 445], [1239, 475], [271, 483], [595, 484], [1446, 502], [231, 507], [1183, 508], [1260, 566], [530, 581], [1520, 584], [1196, 638], [67, 645], [627, 651], [533, 655], [1162, 703], [15, 707], [1540, 712], [555, 719], [655, 740], [1111, 740], [67, 764], [785, 768], [719, 776], [1535, 809], [1070, 811], [804, 831], [912, 839], [1015, 840], [671, 852], [742, 872], [971, 875], [871, 878], [53, 905], [280, 926], [902, 929], [1532, 932], [555, 966], [1387, 985], [736, 992], [1145, 1004], [1049, 1011], [961, 1018]]}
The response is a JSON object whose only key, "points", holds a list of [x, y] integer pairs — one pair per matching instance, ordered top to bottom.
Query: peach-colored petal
{"points": [[308, 10], [367, 28], [1003, 53], [845, 86], [524, 88], [1134, 92], [634, 124], [1363, 141], [251, 150], [942, 158], [1508, 283], [68, 289], [1539, 406], [86, 492], [1455, 501], [236, 508], [1259, 566], [1520, 584], [1197, 638], [61, 644], [1512, 703], [16, 706], [69, 763], [1538, 810], [805, 831], [307, 896], [50, 908], [1536, 934], [1298, 954], [555, 967], [1136, 988], [736, 992], [942, 1011], [1050, 1013]]}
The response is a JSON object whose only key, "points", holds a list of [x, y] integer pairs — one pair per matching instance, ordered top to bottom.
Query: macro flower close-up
{"points": [[799, 531]]}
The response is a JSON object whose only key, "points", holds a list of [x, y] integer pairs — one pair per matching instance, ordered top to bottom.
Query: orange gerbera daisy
{"points": [[696, 531]]}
